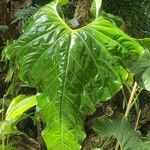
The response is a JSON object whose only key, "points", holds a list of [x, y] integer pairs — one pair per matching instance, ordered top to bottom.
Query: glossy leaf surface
{"points": [[74, 70]]}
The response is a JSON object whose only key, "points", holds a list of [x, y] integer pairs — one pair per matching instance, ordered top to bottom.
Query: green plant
{"points": [[134, 13], [24, 14], [141, 68], [72, 69], [142, 71], [15, 113], [128, 138]]}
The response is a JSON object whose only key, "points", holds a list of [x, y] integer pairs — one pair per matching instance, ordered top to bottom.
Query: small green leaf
{"points": [[141, 69], [19, 105], [15, 113], [121, 129]]}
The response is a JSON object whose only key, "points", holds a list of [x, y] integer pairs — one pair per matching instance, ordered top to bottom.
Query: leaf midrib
{"points": [[63, 90]]}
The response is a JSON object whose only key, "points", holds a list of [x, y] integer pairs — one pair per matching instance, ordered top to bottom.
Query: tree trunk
{"points": [[82, 11], [3, 12]]}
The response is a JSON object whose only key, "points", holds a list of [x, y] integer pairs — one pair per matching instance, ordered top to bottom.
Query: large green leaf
{"points": [[64, 2], [74, 70], [121, 129]]}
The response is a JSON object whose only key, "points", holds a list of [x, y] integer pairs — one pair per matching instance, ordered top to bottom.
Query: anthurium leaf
{"points": [[64, 2], [118, 20], [69, 67], [141, 69], [121, 129], [60, 132], [55, 136]]}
